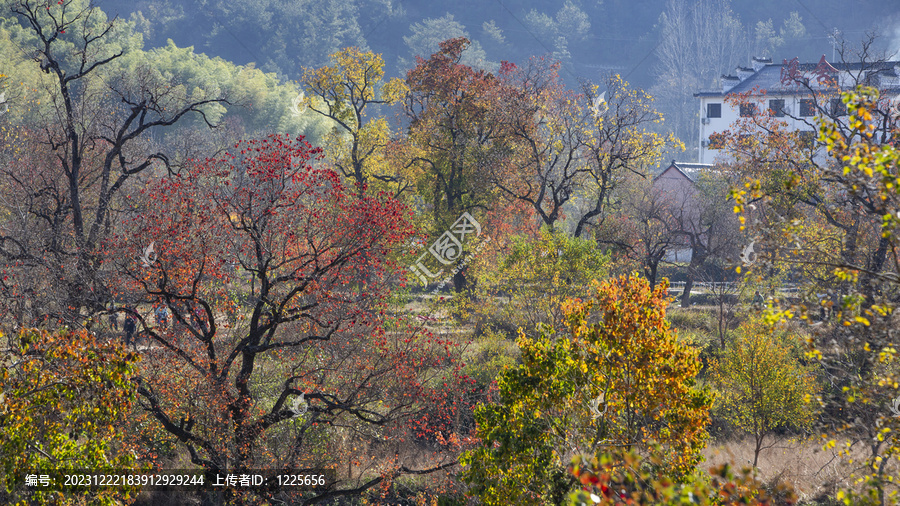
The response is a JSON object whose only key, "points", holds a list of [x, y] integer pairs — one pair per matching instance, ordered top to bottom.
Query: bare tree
{"points": [[699, 41], [543, 126], [97, 133], [705, 222], [642, 229], [727, 294]]}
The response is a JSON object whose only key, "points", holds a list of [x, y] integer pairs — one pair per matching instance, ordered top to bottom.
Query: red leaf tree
{"points": [[453, 137], [280, 354]]}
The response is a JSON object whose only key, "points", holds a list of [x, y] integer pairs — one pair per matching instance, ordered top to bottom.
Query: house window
{"points": [[777, 107], [807, 107], [838, 107], [713, 110], [748, 110]]}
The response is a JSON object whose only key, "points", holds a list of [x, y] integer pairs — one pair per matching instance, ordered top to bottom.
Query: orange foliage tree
{"points": [[451, 132], [453, 137], [616, 377]]}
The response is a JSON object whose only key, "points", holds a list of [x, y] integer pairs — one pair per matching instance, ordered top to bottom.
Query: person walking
{"points": [[162, 316], [130, 326]]}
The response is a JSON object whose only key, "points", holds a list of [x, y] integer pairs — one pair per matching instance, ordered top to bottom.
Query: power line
{"points": [[813, 14], [235, 37], [566, 67]]}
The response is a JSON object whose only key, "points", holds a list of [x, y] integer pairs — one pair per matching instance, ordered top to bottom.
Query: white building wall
{"points": [[770, 77], [731, 114]]}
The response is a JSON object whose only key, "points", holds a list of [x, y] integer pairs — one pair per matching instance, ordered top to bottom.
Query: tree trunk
{"points": [[698, 258], [650, 271], [459, 281], [869, 281], [721, 292], [686, 294], [722, 320], [759, 440]]}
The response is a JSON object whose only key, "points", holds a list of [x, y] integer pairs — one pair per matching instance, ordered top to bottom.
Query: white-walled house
{"points": [[789, 88], [793, 92]]}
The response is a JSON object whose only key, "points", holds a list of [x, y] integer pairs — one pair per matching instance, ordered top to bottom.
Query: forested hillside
{"points": [[590, 35], [673, 47]]}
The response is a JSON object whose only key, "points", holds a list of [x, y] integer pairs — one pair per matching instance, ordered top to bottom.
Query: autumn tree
{"points": [[345, 92], [543, 128], [450, 133], [452, 139], [617, 141], [93, 154], [804, 182], [853, 189], [819, 205], [678, 219], [702, 221], [643, 233], [865, 363], [310, 372], [614, 377], [761, 384], [63, 398]]}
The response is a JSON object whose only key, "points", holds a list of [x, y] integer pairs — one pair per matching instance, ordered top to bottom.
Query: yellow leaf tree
{"points": [[344, 92], [617, 140], [853, 184], [615, 377], [762, 384]]}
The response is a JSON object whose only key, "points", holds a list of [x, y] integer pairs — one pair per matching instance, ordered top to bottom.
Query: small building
{"points": [[679, 176], [676, 187]]}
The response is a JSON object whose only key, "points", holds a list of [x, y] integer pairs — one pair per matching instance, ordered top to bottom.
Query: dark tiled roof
{"points": [[769, 77], [693, 166], [690, 170]]}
